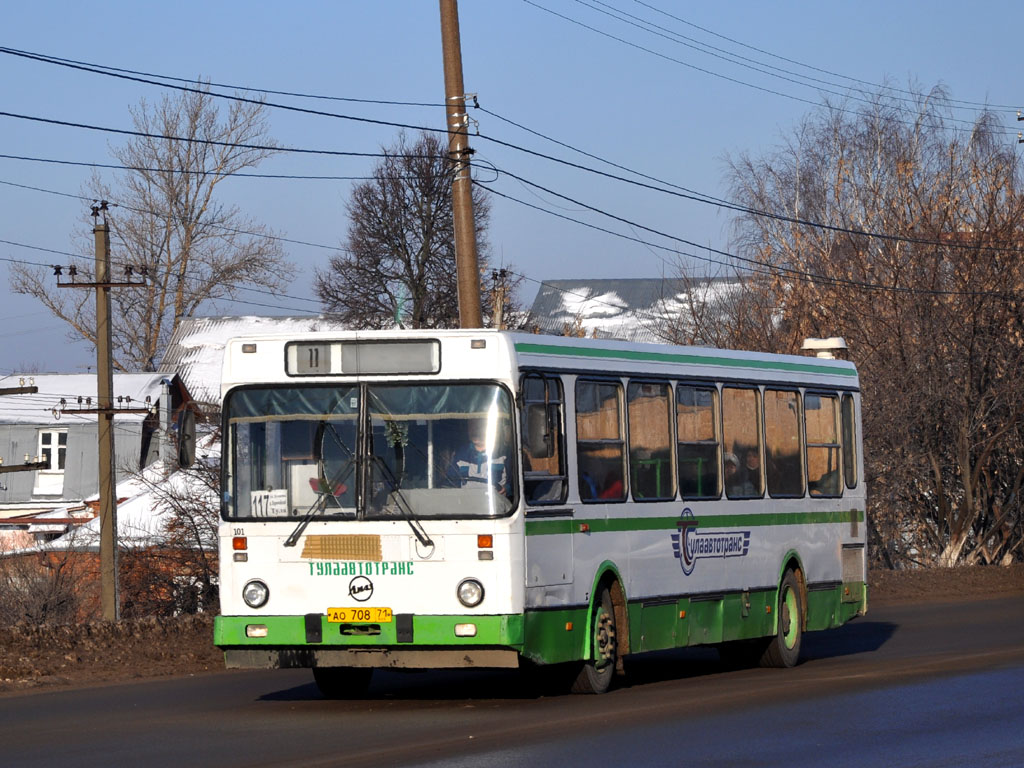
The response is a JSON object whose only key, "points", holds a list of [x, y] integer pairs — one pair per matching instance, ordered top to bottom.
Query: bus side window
{"points": [[649, 408], [821, 425], [741, 430], [849, 442], [699, 446], [600, 449], [782, 466], [544, 473]]}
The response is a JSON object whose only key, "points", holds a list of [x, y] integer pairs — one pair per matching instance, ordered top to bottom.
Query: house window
{"points": [[53, 449]]}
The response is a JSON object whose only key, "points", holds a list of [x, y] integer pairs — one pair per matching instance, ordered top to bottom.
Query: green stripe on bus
{"points": [[671, 357], [750, 520], [290, 631], [555, 636]]}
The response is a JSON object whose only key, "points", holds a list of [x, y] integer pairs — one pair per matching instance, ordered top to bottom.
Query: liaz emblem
{"points": [[690, 544]]}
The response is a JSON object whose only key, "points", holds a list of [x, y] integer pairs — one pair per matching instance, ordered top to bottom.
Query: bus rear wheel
{"points": [[783, 648], [598, 671], [342, 682]]}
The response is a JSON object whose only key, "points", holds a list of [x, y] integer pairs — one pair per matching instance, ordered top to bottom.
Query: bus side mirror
{"points": [[538, 434], [186, 438]]}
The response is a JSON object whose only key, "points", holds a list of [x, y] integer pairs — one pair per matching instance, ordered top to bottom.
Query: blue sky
{"points": [[670, 111]]}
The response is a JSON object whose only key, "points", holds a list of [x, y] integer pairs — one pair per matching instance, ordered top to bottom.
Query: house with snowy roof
{"points": [[631, 309], [195, 351], [52, 428]]}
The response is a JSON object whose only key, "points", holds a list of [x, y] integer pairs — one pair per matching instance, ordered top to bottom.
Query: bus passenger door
{"points": [[549, 524]]}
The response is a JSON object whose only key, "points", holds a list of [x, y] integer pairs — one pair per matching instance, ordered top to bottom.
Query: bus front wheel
{"points": [[784, 647], [598, 671], [342, 682]]}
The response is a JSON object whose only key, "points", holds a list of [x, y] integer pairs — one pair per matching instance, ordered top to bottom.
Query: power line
{"points": [[739, 60], [89, 66], [712, 73], [208, 92], [968, 104], [195, 140], [186, 171], [688, 194], [720, 203], [145, 211], [764, 214], [628, 222], [755, 266], [159, 272]]}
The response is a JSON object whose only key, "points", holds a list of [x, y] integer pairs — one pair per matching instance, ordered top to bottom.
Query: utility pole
{"points": [[459, 153], [498, 277], [105, 411], [105, 423]]}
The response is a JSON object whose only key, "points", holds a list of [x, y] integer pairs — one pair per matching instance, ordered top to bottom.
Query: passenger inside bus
{"points": [[474, 463], [733, 482], [613, 488]]}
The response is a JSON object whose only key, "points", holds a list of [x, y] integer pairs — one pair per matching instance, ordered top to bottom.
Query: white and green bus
{"points": [[485, 499]]}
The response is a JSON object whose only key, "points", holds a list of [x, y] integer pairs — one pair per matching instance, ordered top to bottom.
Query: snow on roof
{"points": [[632, 309], [196, 350], [38, 408], [142, 517]]}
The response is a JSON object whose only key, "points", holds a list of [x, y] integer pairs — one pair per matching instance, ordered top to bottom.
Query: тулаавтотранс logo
{"points": [[691, 544]]}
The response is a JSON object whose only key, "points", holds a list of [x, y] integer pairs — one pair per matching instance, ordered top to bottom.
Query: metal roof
{"points": [[632, 309], [196, 350]]}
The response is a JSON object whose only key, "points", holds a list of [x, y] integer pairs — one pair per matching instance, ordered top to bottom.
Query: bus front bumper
{"points": [[410, 641]]}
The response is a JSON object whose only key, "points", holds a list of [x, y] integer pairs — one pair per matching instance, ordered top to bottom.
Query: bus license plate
{"points": [[359, 615]]}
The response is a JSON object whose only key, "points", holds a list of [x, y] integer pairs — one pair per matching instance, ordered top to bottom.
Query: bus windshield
{"points": [[412, 450]]}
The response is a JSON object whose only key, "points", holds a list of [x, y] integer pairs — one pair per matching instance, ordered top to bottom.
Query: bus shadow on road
{"points": [[847, 640], [660, 666], [426, 685]]}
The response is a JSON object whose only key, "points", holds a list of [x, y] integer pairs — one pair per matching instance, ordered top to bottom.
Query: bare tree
{"points": [[169, 223], [399, 264], [933, 308]]}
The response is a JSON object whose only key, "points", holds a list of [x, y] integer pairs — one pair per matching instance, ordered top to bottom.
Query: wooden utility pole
{"points": [[467, 268], [105, 410], [105, 424]]}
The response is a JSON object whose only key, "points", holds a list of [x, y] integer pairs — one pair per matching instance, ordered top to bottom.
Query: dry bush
{"points": [[46, 587]]}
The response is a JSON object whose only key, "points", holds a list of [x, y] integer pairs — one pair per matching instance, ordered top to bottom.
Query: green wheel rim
{"points": [[790, 618], [604, 639]]}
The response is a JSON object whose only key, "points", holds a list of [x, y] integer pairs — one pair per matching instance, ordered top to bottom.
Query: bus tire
{"points": [[784, 647], [597, 672], [342, 682]]}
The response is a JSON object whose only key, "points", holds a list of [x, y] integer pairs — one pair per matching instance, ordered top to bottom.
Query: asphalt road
{"points": [[921, 685]]}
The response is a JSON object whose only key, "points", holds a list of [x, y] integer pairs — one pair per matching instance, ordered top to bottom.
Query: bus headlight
{"points": [[470, 593], [255, 594]]}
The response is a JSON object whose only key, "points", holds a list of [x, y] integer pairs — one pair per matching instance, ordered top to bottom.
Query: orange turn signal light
{"points": [[485, 541], [239, 542]]}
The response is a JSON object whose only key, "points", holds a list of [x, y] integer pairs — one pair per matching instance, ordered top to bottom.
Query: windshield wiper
{"points": [[402, 503], [317, 506]]}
